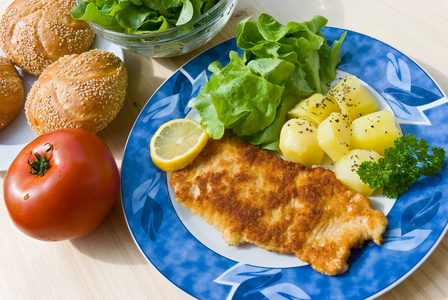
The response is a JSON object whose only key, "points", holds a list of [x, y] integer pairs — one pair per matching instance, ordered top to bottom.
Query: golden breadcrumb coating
{"points": [[253, 196]]}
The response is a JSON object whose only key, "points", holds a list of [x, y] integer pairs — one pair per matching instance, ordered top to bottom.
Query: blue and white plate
{"points": [[193, 256]]}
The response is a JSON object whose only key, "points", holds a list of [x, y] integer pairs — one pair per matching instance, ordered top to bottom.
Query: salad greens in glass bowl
{"points": [[161, 28]]}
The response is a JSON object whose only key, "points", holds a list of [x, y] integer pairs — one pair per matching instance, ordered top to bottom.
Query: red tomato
{"points": [[74, 195]]}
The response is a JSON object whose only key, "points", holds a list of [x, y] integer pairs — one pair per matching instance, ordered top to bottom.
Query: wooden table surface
{"points": [[107, 264]]}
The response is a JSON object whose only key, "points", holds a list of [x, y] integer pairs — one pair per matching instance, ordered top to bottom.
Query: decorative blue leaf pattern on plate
{"points": [[346, 58], [398, 73], [183, 87], [194, 87], [404, 95], [415, 97], [401, 107], [162, 108], [148, 188], [143, 199], [419, 213], [416, 215], [152, 217], [417, 221], [394, 240], [255, 283], [251, 288], [286, 291]]}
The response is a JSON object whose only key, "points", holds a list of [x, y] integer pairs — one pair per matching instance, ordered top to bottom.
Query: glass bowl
{"points": [[174, 41]]}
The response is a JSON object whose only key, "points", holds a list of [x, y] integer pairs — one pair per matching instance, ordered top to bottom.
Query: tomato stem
{"points": [[40, 165]]}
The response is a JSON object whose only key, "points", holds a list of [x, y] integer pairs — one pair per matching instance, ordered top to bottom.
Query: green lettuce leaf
{"points": [[88, 10], [141, 16], [299, 43], [280, 65], [243, 97], [269, 137]]}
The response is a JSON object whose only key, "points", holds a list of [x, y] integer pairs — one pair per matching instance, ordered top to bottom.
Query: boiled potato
{"points": [[353, 98], [315, 108], [376, 131], [333, 135], [298, 142], [347, 166]]}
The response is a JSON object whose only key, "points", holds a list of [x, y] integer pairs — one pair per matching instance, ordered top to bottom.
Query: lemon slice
{"points": [[176, 143]]}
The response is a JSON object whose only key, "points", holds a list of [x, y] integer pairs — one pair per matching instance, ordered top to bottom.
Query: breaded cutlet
{"points": [[251, 195]]}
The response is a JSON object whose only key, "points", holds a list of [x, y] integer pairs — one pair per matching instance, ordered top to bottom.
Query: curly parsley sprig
{"points": [[403, 164]]}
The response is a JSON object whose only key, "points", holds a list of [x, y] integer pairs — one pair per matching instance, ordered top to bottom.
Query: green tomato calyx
{"points": [[40, 165]]}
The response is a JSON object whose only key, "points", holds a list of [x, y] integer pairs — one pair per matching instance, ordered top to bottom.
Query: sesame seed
{"points": [[35, 33], [66, 95]]}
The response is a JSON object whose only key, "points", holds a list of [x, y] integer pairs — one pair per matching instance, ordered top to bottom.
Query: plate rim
{"points": [[147, 258]]}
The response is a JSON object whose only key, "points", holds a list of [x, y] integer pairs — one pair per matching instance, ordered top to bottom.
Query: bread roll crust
{"points": [[36, 33], [78, 91], [11, 92]]}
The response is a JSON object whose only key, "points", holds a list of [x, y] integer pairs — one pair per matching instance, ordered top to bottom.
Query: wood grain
{"points": [[107, 264]]}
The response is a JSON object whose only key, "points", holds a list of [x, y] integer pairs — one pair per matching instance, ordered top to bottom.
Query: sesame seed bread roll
{"points": [[36, 33], [78, 91], [11, 92]]}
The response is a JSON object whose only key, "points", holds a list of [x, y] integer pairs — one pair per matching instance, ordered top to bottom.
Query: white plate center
{"points": [[248, 253]]}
